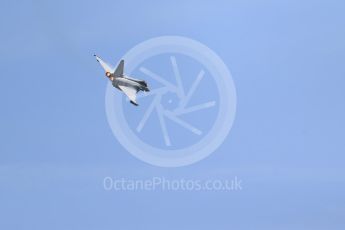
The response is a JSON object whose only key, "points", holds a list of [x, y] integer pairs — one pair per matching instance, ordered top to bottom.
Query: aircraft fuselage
{"points": [[129, 82]]}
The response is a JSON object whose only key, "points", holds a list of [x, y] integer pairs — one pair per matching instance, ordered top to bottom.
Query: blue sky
{"points": [[286, 144]]}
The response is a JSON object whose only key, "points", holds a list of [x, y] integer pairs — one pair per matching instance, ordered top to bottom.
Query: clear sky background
{"points": [[287, 142]]}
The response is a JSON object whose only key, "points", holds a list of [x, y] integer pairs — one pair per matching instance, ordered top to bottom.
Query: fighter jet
{"points": [[130, 86]]}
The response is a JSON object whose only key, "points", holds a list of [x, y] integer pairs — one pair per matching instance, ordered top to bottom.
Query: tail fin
{"points": [[119, 69]]}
